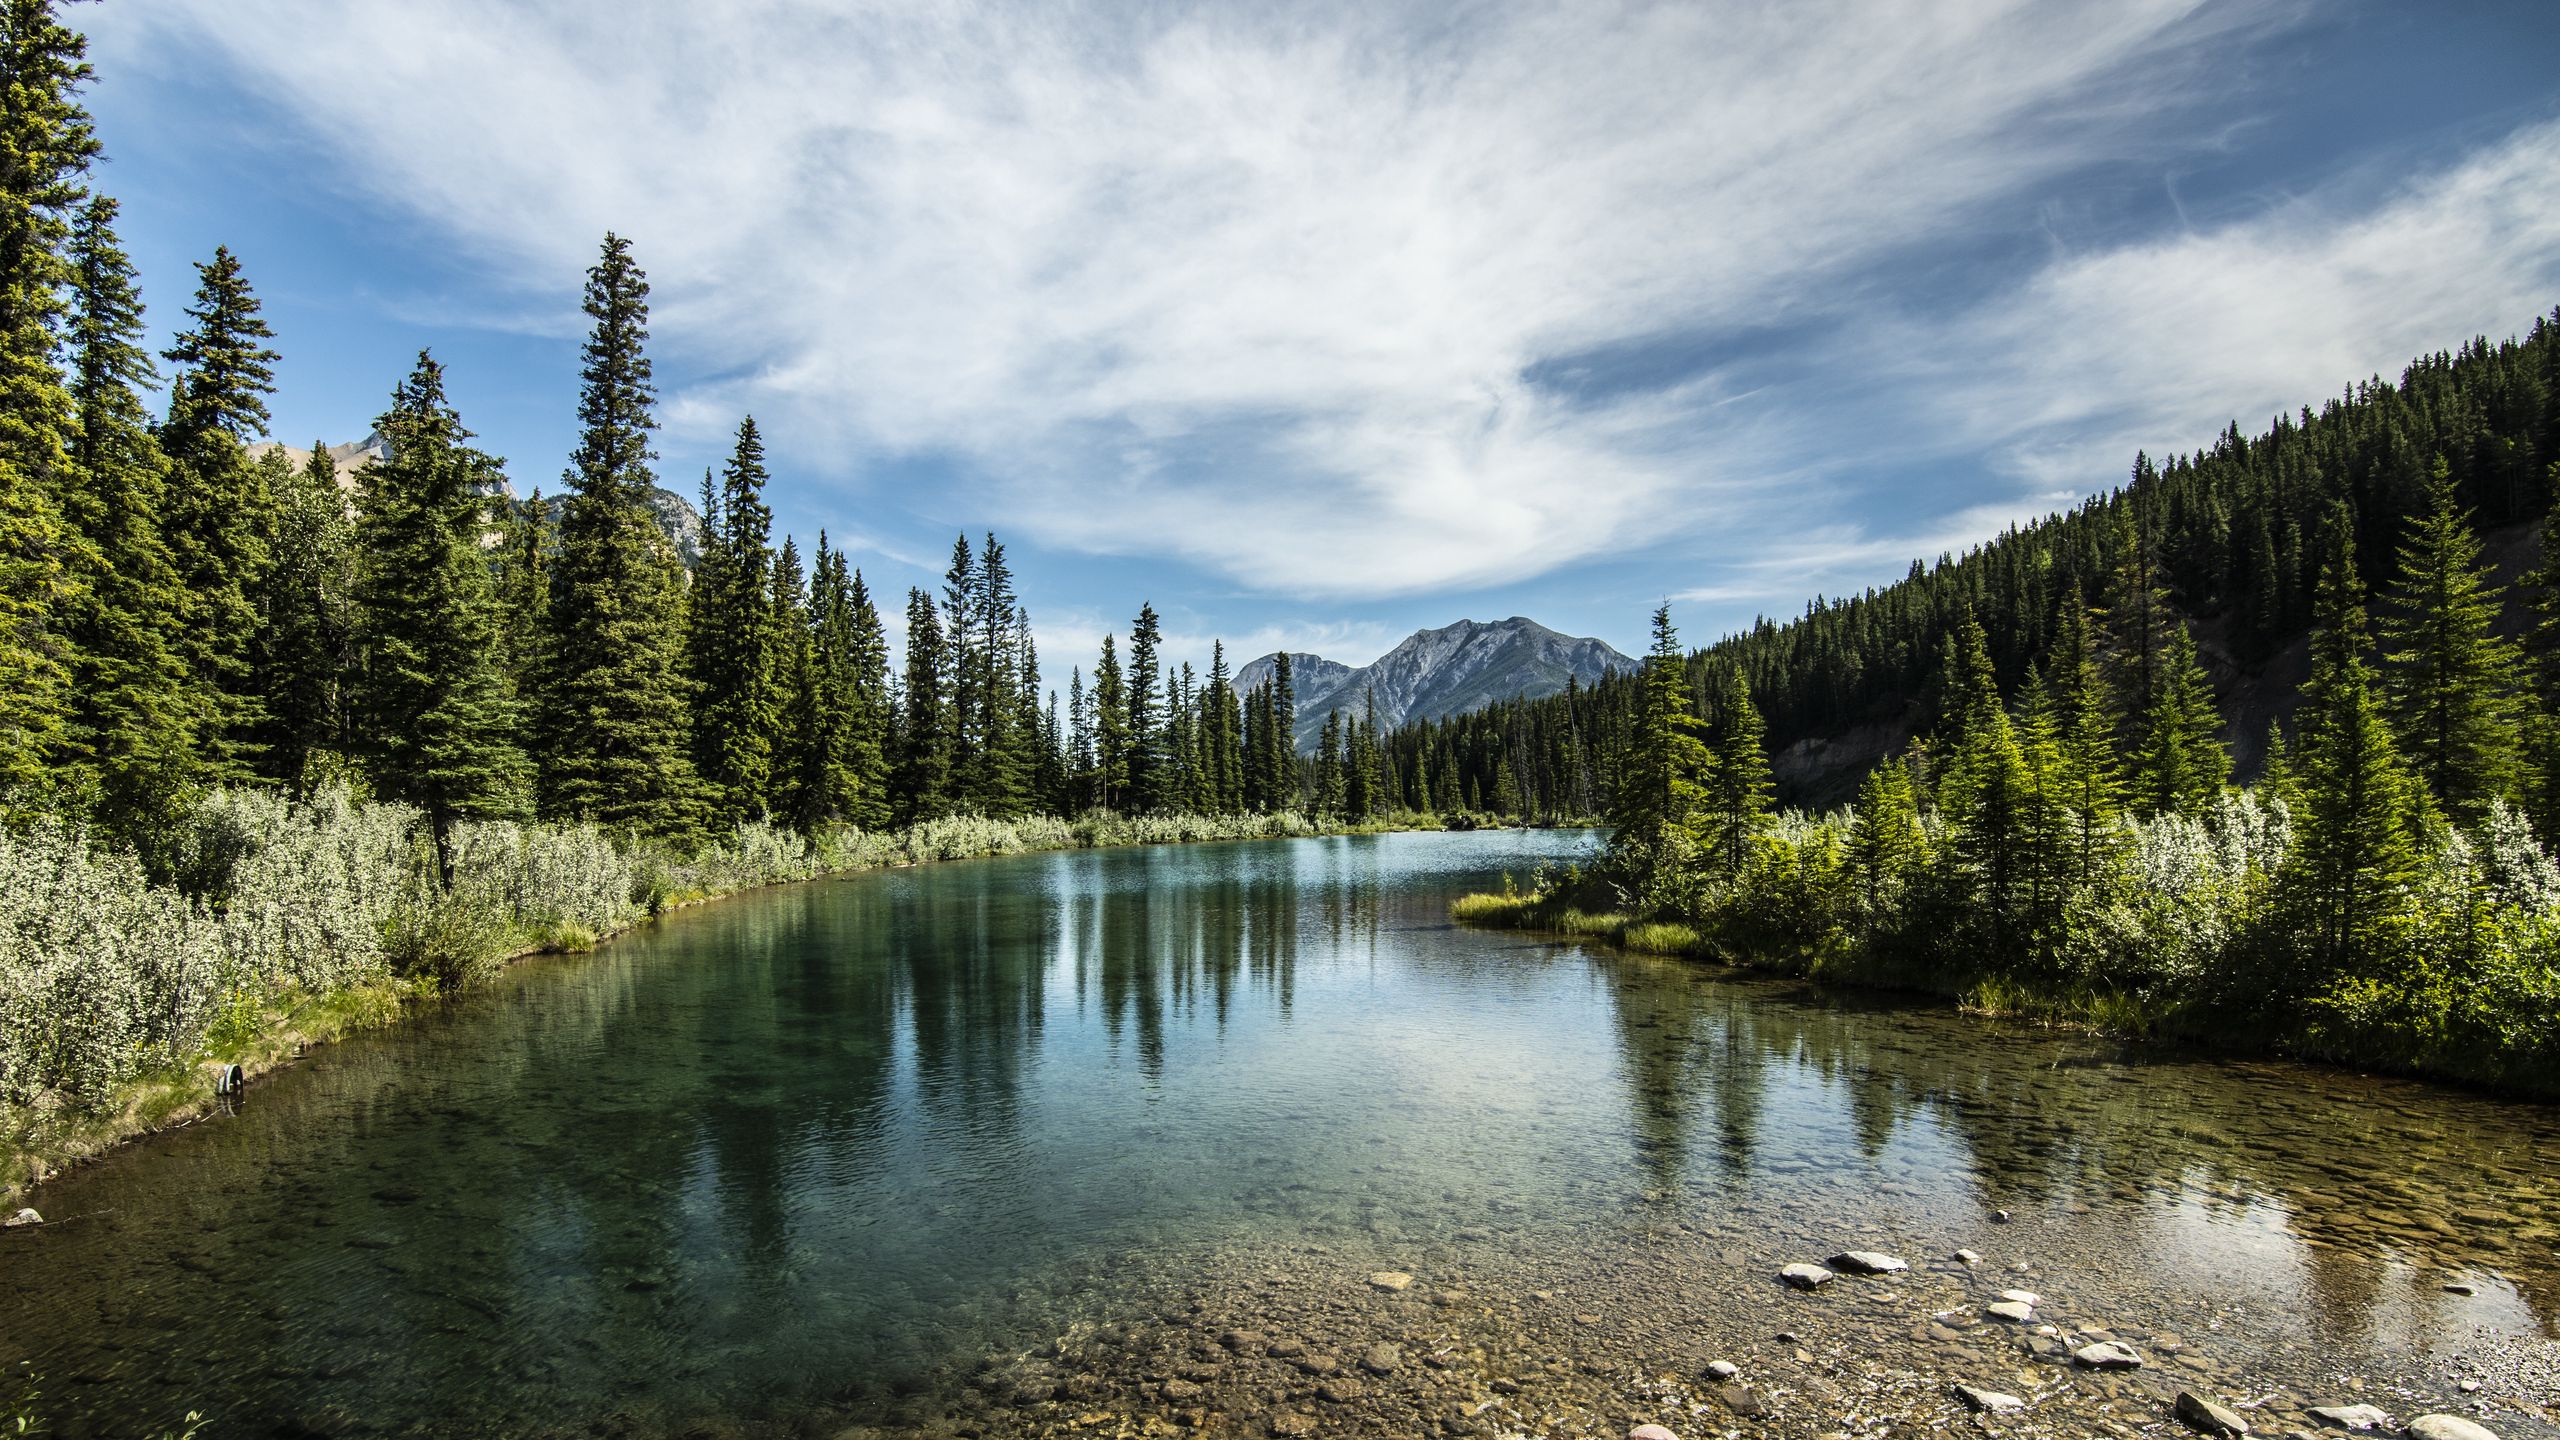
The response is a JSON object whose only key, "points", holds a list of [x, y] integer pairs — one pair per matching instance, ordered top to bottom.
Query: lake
{"points": [[1113, 1142]]}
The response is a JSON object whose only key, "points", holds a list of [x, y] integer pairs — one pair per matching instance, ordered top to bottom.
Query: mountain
{"points": [[674, 513], [1434, 674]]}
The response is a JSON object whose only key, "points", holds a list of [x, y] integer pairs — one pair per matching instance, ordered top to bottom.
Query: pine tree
{"points": [[46, 146], [220, 515], [524, 588], [305, 599], [2138, 617], [738, 642], [963, 674], [2453, 681], [131, 718], [440, 719], [611, 724], [2542, 733], [1111, 734], [1226, 736], [1280, 738], [1147, 751], [866, 760], [924, 763], [2183, 764], [2090, 777], [1739, 788], [1329, 792], [1664, 792], [1988, 795], [2357, 814], [1886, 844]]}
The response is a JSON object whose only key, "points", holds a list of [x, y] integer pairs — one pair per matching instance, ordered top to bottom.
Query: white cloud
{"points": [[1257, 290]]}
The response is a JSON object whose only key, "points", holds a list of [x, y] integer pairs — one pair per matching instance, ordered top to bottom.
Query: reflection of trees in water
{"points": [[2357, 1165]]}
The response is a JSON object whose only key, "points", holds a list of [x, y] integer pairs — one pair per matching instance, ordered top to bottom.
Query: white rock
{"points": [[23, 1217], [1969, 1257], [1868, 1262], [1806, 1277], [1390, 1280], [2022, 1297], [2011, 1311], [2117, 1355], [1722, 1370], [1989, 1402], [2350, 1417], [2449, 1427], [1651, 1432]]}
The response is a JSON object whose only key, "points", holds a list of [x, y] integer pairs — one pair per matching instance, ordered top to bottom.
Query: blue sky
{"points": [[1316, 324]]}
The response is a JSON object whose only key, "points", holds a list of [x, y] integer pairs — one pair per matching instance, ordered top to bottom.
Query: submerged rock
{"points": [[1969, 1257], [1868, 1262], [1806, 1277], [1390, 1280], [2028, 1298], [2013, 1311], [2117, 1355], [1382, 1360], [1722, 1370], [1988, 1402], [2350, 1417], [2213, 1419], [2449, 1427], [1651, 1432]]}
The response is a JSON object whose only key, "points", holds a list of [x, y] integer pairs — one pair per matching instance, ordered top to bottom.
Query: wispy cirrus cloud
{"points": [[1269, 290]]}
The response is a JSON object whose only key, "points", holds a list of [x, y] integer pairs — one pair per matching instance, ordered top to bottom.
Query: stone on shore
{"points": [[22, 1218], [1969, 1257], [1868, 1262], [1806, 1277], [1390, 1280], [2013, 1311], [2117, 1355], [1382, 1360], [1722, 1370], [1988, 1402], [2209, 1417], [2351, 1417], [2449, 1427], [1651, 1432]]}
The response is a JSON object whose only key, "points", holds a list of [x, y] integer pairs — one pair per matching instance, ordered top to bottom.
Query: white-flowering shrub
{"points": [[542, 877], [306, 888], [100, 974]]}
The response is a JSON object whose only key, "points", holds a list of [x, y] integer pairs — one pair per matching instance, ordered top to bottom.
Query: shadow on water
{"points": [[809, 1152]]}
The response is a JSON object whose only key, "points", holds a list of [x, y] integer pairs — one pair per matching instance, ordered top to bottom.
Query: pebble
{"points": [[23, 1217], [1999, 1217], [1969, 1257], [1868, 1262], [1806, 1277], [1390, 1280], [2456, 1287], [2027, 1298], [2013, 1311], [1241, 1340], [2117, 1355], [1382, 1360], [1722, 1370], [2468, 1387], [1342, 1390], [1988, 1402], [2209, 1417], [2350, 1417], [1290, 1423], [2449, 1427], [1651, 1432]]}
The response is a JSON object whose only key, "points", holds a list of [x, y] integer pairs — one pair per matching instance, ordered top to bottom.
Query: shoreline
{"points": [[2125, 1021], [40, 1148]]}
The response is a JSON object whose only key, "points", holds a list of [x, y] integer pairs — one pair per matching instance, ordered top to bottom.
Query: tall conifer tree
{"points": [[2454, 682], [611, 723]]}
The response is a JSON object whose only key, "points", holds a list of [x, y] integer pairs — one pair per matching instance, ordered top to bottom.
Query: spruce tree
{"points": [[46, 146], [220, 515], [524, 588], [305, 598], [739, 642], [2453, 682], [869, 715], [131, 717], [440, 719], [1146, 720], [611, 724], [2542, 728], [1110, 730], [924, 759], [2183, 763], [2090, 775], [1739, 788], [1988, 794], [1661, 797], [2357, 814], [1886, 844]]}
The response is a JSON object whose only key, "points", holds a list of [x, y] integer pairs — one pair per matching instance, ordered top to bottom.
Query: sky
{"points": [[1314, 324]]}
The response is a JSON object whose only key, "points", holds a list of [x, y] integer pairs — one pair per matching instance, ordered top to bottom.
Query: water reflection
{"points": [[815, 1149]]}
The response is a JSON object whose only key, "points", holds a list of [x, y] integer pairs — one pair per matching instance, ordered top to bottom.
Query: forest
{"points": [[2058, 832]]}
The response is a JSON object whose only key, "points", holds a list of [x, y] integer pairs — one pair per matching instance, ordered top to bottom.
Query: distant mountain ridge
{"points": [[1434, 674]]}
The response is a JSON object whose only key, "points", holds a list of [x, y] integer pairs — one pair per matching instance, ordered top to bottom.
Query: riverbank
{"points": [[463, 937], [2520, 1069]]}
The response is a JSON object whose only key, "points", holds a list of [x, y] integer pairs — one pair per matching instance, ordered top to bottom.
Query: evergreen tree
{"points": [[46, 146], [220, 515], [524, 588], [305, 602], [739, 639], [964, 673], [2453, 681], [131, 716], [439, 716], [611, 723], [1225, 727], [1111, 731], [2542, 732], [1280, 738], [1079, 743], [1147, 750], [866, 757], [924, 762], [2182, 765], [2089, 775], [1329, 791], [1662, 797], [1989, 797], [1737, 807], [2356, 812], [1886, 844]]}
